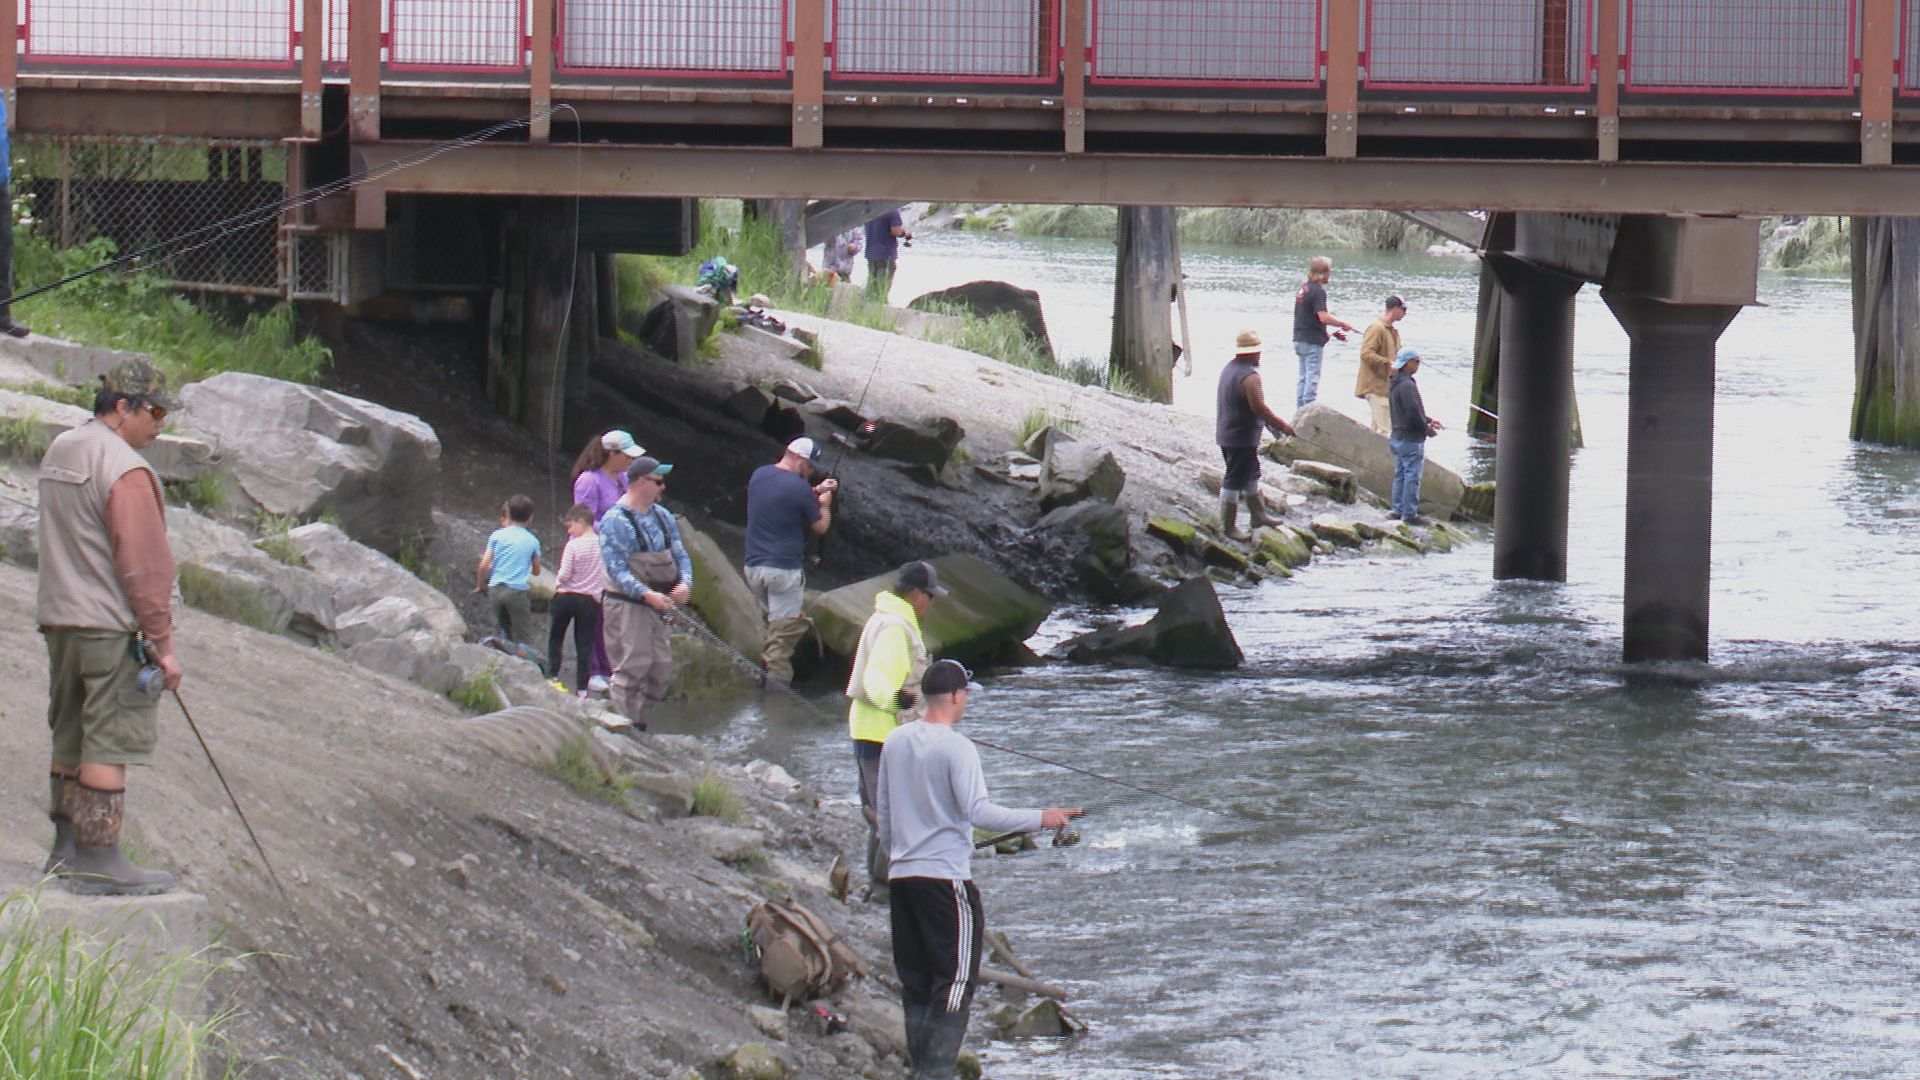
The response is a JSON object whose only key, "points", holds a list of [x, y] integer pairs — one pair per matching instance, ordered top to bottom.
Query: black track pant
{"points": [[584, 613], [937, 928]]}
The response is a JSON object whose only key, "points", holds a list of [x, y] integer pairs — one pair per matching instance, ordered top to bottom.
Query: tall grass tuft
{"points": [[189, 340], [22, 437], [202, 590], [480, 692], [573, 766], [715, 798], [76, 1008]]}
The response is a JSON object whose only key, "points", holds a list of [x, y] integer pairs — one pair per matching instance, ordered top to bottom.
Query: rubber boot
{"points": [[1257, 516], [1230, 519], [783, 637], [62, 853], [98, 868], [916, 1034], [940, 1045]]}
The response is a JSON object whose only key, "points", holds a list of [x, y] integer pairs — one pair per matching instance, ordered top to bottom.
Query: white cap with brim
{"points": [[619, 442], [806, 448]]}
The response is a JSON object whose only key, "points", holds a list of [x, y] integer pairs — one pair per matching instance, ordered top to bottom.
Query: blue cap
{"points": [[1406, 354]]}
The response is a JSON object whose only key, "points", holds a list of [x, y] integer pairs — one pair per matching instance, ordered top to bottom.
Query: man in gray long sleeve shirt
{"points": [[931, 797]]}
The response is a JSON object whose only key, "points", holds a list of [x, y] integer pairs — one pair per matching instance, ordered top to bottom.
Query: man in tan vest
{"points": [[1377, 350], [106, 605]]}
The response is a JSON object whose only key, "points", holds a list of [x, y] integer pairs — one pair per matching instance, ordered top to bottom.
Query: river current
{"points": [[1455, 837]]}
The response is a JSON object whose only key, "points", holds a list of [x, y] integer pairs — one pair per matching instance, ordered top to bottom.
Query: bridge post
{"points": [[1879, 29], [313, 50], [363, 70], [540, 73], [809, 73], [1606, 73], [1073, 75], [1343, 78], [1143, 285], [1886, 331], [1534, 455]]}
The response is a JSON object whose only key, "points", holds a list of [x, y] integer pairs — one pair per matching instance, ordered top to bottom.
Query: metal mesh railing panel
{"points": [[160, 33], [457, 35], [694, 37], [960, 40], [1207, 42], [1491, 44], [1741, 46], [1909, 56], [140, 192]]}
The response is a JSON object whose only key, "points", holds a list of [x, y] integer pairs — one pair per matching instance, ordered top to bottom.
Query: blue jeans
{"points": [[1309, 387], [1409, 459]]}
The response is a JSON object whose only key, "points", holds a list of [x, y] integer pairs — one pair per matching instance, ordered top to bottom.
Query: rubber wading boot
{"points": [[1257, 516], [1230, 519], [783, 637], [62, 853], [98, 868], [916, 1034], [940, 1048]]}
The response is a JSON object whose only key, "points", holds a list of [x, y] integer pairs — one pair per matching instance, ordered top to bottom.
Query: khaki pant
{"points": [[1382, 413], [780, 594], [642, 657], [94, 705]]}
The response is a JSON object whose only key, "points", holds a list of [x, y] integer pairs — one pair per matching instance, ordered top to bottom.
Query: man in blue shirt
{"points": [[884, 235], [7, 325], [783, 509], [507, 569], [635, 613]]}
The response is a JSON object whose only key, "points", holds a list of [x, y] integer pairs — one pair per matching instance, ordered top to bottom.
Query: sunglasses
{"points": [[158, 412]]}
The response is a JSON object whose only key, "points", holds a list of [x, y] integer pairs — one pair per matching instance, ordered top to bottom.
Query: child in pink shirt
{"points": [[576, 596]]}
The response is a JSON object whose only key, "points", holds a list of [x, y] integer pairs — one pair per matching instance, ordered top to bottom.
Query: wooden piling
{"points": [[1142, 297], [1886, 335]]}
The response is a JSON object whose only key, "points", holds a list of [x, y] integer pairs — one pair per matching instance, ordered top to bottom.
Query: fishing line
{"points": [[557, 392], [286, 902]]}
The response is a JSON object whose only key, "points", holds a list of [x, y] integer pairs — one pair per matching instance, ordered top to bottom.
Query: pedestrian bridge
{"points": [[1562, 105]]}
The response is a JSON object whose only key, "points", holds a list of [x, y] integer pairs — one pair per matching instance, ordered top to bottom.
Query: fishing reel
{"points": [[1066, 836]]}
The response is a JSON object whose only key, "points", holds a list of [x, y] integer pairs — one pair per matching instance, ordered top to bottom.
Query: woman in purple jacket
{"points": [[599, 479]]}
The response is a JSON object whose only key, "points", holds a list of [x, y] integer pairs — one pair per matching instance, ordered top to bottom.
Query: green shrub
{"points": [[188, 340], [62, 393], [1044, 418], [23, 438], [274, 541], [413, 556], [206, 592], [480, 692], [573, 766], [715, 798], [70, 1007]]}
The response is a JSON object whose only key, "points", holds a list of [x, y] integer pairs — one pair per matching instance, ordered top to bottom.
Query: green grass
{"points": [[1821, 245], [189, 340], [62, 393], [1031, 424], [23, 438], [206, 492], [274, 541], [414, 556], [204, 591], [480, 693], [573, 766], [715, 798], [72, 1008]]}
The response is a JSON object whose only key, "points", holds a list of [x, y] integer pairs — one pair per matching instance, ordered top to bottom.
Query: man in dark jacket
{"points": [[1411, 429]]}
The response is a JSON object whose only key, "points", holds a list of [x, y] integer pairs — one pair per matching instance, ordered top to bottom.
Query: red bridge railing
{"points": [[206, 34], [457, 36], [745, 39], [968, 41], [1205, 43], [1482, 45], [1773, 47]]}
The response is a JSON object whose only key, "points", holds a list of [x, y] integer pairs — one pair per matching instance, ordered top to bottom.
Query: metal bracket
{"points": [[809, 124]]}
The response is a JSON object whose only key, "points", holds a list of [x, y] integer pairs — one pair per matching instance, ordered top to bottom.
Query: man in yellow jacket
{"points": [[887, 666]]}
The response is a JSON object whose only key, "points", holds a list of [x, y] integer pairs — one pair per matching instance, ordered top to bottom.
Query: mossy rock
{"points": [[1477, 503], [1178, 533], [1339, 534], [1440, 538], [1284, 547], [1215, 553], [1276, 568], [984, 612], [702, 672]]}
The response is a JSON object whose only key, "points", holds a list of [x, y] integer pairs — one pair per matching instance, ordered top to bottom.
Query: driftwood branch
{"points": [[1017, 982]]}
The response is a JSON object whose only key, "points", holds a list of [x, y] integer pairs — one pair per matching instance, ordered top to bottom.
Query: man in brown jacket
{"points": [[1377, 350], [106, 606]]}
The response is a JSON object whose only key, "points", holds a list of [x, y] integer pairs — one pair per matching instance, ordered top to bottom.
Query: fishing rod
{"points": [[686, 619]]}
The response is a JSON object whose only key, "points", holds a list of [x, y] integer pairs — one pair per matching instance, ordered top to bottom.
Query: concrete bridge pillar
{"points": [[1147, 271], [1886, 331], [1534, 455], [1669, 472]]}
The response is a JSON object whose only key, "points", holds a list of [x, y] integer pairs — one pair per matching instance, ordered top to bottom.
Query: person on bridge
{"points": [[885, 234], [1310, 321], [1378, 347], [1240, 411], [1412, 427], [783, 509], [107, 610], [931, 796]]}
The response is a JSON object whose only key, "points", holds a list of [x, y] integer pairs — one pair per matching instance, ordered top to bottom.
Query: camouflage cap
{"points": [[138, 378]]}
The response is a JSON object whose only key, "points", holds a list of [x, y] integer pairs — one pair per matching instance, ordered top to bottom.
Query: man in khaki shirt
{"points": [[1377, 350], [106, 604]]}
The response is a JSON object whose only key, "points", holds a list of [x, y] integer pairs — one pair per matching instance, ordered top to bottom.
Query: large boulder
{"points": [[989, 298], [676, 325], [1328, 435], [929, 441], [299, 451], [173, 457], [1075, 471], [20, 533], [1093, 537], [221, 571], [360, 575], [721, 595], [985, 614], [1189, 630]]}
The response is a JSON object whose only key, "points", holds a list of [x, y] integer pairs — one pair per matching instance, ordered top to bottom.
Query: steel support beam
{"points": [[65, 110], [1115, 180]]}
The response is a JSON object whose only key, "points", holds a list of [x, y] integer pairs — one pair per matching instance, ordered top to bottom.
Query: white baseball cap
{"points": [[807, 449]]}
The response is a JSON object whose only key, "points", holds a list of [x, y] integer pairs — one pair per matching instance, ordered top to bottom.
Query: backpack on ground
{"points": [[799, 955]]}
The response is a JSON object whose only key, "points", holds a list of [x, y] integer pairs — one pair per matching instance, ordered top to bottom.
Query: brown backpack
{"points": [[799, 955]]}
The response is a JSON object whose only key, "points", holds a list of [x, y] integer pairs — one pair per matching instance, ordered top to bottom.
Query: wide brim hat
{"points": [[1246, 343]]}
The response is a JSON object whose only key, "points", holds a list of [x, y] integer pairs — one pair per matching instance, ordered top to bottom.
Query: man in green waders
{"points": [[887, 667]]}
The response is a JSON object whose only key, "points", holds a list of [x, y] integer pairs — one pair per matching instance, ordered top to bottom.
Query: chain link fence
{"points": [[142, 192]]}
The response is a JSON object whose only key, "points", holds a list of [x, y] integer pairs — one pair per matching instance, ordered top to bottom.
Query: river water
{"points": [[1455, 837]]}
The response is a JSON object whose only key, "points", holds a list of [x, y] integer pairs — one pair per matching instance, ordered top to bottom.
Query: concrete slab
{"points": [[148, 933]]}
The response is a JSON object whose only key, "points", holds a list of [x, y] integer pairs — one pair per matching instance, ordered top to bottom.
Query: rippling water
{"points": [[1456, 837]]}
